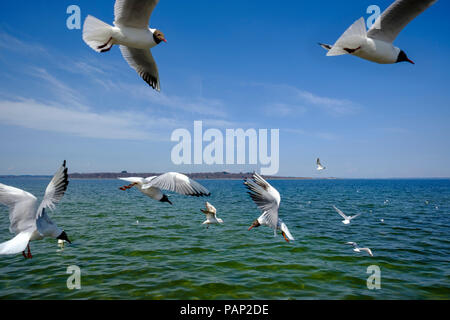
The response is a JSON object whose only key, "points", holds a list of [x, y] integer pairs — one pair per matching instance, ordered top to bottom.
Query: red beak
{"points": [[165, 40], [410, 61], [251, 227]]}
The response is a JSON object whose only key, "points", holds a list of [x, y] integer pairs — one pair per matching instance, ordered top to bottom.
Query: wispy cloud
{"points": [[11, 43], [289, 95], [284, 110], [84, 123], [320, 135]]}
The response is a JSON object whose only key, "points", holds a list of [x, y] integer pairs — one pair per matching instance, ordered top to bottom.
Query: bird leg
{"points": [[102, 48], [352, 50], [125, 188], [284, 236], [24, 255], [29, 256]]}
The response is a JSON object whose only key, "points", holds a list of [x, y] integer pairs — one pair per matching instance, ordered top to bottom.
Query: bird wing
{"points": [[134, 13], [396, 17], [142, 61], [318, 162], [134, 180], [179, 183], [55, 190], [53, 194], [266, 197], [21, 208], [210, 208], [341, 213], [353, 217], [285, 229], [16, 244], [352, 244], [367, 250]]}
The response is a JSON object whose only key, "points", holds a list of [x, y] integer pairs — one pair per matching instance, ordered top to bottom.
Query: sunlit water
{"points": [[131, 247]]}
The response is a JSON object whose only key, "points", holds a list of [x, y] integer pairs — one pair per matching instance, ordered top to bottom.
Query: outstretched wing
{"points": [[134, 13], [396, 17], [142, 61], [134, 180], [179, 183], [55, 190], [266, 197], [22, 206], [340, 213], [353, 217], [367, 250]]}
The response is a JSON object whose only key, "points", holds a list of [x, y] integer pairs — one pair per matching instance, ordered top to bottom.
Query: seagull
{"points": [[132, 33], [376, 45], [319, 165], [171, 181], [268, 199], [211, 217], [347, 219], [27, 223], [358, 249]]}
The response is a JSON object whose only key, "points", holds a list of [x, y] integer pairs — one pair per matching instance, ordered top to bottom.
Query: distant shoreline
{"points": [[198, 176]]}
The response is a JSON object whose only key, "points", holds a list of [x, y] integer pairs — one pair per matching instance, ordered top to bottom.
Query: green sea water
{"points": [[128, 246]]}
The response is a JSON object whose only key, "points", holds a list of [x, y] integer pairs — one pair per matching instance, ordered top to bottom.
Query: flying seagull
{"points": [[132, 33], [377, 44], [319, 165], [171, 181], [268, 199], [211, 217], [347, 219], [27, 223], [358, 249]]}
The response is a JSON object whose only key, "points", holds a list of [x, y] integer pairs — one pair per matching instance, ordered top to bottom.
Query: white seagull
{"points": [[132, 33], [377, 44], [319, 165], [171, 181], [268, 199], [211, 217], [347, 219], [27, 223], [358, 249]]}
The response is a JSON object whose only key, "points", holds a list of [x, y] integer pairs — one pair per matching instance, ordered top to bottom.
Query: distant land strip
{"points": [[198, 176]]}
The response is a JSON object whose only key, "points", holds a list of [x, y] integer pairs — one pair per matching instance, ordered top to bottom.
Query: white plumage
{"points": [[132, 33], [376, 44], [320, 167], [171, 181], [268, 200], [211, 217], [347, 219], [28, 223], [358, 249]]}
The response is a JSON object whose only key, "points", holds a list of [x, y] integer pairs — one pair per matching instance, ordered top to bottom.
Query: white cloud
{"points": [[286, 95], [84, 123]]}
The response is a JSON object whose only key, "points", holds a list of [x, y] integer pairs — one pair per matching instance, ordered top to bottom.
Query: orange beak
{"points": [[251, 227]]}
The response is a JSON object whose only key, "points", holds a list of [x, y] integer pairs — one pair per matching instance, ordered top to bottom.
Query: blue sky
{"points": [[232, 64]]}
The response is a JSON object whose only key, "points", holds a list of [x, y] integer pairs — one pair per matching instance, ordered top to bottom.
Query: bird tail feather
{"points": [[96, 33], [352, 35]]}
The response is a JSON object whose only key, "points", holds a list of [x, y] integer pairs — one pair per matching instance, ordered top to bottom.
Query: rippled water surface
{"points": [[131, 247]]}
